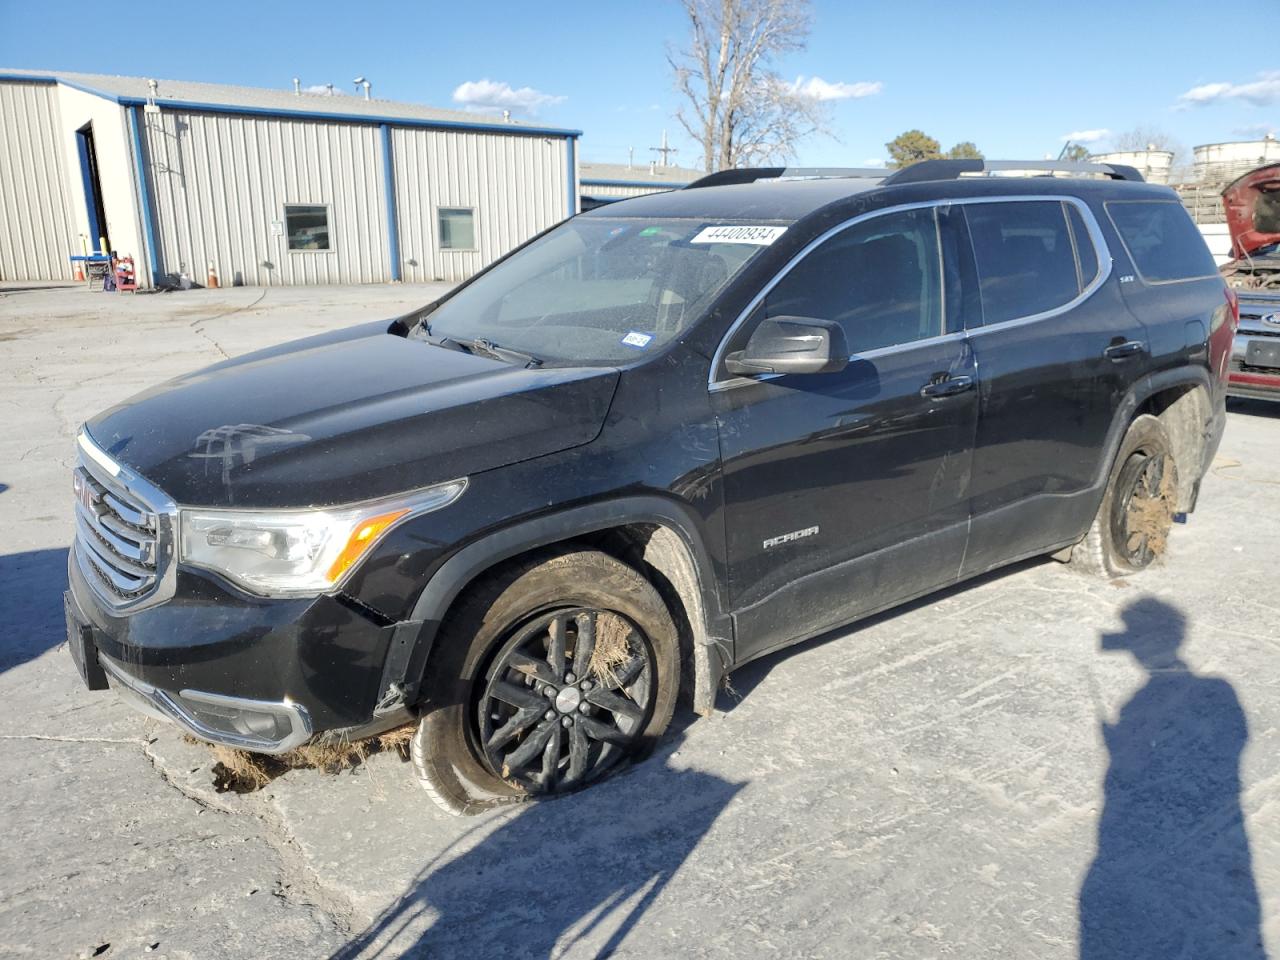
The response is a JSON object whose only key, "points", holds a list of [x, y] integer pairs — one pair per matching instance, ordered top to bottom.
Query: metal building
{"points": [[602, 183], [269, 186]]}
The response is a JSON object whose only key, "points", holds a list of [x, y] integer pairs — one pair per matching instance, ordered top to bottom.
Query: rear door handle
{"points": [[1120, 351], [946, 388]]}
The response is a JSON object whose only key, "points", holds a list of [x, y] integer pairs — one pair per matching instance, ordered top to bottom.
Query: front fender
{"points": [[411, 645]]}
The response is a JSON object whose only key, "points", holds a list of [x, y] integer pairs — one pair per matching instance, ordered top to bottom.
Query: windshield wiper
{"points": [[479, 346], [487, 348]]}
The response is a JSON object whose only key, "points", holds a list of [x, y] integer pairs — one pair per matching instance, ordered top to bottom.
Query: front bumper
{"points": [[251, 673], [259, 725]]}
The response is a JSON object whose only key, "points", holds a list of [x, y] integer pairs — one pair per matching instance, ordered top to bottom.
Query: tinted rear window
{"points": [[1161, 239], [1026, 264]]}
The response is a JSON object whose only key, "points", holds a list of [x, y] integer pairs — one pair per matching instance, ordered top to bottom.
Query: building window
{"points": [[307, 226], [457, 228]]}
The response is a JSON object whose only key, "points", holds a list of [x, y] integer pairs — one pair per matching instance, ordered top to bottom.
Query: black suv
{"points": [[655, 442]]}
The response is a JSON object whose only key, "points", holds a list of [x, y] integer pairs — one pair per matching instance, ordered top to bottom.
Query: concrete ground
{"points": [[932, 784]]}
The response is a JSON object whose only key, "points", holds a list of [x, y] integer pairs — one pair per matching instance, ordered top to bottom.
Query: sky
{"points": [[1015, 78]]}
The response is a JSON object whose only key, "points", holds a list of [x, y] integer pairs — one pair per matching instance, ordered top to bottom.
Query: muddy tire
{"points": [[1133, 523], [548, 676]]}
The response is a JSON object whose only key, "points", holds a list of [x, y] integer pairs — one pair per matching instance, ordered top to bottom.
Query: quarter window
{"points": [[307, 226], [457, 228], [1164, 243], [1086, 255], [1026, 264], [878, 279]]}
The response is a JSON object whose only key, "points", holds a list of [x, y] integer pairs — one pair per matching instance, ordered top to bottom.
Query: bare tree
{"points": [[738, 108], [1144, 137]]}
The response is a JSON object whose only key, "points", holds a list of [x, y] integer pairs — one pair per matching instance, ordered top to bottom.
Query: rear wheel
{"points": [[1132, 527], [551, 674]]}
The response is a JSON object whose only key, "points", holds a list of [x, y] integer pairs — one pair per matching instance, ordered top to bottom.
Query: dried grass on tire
{"points": [[1153, 516], [612, 648]]}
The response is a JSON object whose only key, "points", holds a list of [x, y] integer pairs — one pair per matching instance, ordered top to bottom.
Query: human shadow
{"points": [[31, 619], [578, 871], [1173, 876]]}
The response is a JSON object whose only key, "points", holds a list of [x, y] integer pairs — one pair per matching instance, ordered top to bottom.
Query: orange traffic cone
{"points": [[79, 273], [212, 282]]}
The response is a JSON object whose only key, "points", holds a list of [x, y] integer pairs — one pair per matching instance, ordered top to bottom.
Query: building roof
{"points": [[228, 98], [623, 175]]}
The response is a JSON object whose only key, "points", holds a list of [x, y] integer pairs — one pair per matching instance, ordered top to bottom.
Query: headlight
{"points": [[297, 552]]}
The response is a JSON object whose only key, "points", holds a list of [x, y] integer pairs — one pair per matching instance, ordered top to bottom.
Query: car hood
{"points": [[1253, 210], [345, 417]]}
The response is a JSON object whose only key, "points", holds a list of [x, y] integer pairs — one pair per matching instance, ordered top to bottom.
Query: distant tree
{"points": [[737, 107], [1143, 137], [911, 147], [965, 150], [1075, 152]]}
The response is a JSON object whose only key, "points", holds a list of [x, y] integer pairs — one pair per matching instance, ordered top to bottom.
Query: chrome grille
{"points": [[123, 539]]}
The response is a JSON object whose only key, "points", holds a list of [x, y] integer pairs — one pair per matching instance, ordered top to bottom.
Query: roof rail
{"points": [[953, 169], [752, 174]]}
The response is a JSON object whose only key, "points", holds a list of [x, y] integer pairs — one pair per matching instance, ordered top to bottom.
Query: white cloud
{"points": [[821, 89], [1261, 92], [492, 96], [1086, 136]]}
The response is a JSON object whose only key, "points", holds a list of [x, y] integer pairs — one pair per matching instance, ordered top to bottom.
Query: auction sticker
{"points": [[739, 233]]}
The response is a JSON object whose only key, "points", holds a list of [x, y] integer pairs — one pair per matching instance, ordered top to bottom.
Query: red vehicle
{"points": [[1253, 216]]}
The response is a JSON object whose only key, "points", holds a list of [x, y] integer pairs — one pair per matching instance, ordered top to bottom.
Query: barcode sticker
{"points": [[739, 233]]}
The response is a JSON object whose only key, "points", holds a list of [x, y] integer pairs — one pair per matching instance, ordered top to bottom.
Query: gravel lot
{"points": [[928, 785]]}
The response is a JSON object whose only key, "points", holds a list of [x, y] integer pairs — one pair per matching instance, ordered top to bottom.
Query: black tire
{"points": [[1133, 523], [497, 652]]}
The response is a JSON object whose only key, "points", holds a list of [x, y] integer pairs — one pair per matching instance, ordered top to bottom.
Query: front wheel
{"points": [[1132, 527], [550, 675]]}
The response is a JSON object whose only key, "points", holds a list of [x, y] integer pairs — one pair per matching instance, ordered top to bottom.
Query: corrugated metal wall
{"points": [[221, 183], [517, 186], [589, 189], [36, 232]]}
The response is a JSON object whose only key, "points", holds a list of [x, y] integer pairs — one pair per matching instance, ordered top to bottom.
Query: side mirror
{"points": [[791, 345]]}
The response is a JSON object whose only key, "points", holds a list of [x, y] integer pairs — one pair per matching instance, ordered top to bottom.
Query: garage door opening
{"points": [[92, 189]]}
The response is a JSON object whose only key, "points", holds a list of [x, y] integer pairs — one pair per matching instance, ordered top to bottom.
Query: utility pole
{"points": [[664, 149]]}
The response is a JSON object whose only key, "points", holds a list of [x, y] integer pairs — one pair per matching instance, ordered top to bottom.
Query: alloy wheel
{"points": [[1143, 507], [565, 699]]}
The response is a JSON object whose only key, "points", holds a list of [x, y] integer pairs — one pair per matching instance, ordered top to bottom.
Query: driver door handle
{"points": [[1120, 351], [946, 388]]}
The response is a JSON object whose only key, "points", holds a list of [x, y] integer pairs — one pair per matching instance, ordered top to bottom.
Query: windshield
{"points": [[600, 289]]}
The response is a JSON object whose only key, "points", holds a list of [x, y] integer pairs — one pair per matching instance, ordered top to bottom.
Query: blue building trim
{"points": [[23, 78], [50, 81], [368, 120], [571, 158], [86, 178], [389, 188], [144, 190]]}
